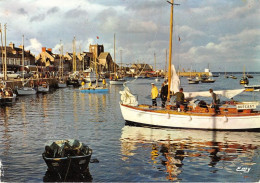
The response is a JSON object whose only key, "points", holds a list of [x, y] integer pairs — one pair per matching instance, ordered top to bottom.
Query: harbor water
{"points": [[124, 153]]}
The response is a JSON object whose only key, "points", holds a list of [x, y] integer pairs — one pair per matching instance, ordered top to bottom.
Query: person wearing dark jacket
{"points": [[164, 93]]}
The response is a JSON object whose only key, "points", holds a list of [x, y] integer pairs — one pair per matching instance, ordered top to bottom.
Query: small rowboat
{"points": [[65, 157]]}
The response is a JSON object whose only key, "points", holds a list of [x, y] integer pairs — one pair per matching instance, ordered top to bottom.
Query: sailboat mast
{"points": [[170, 51], [115, 53], [74, 55], [23, 58], [60, 61], [5, 64], [165, 70]]}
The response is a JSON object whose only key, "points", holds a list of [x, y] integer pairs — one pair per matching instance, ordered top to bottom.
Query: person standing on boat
{"points": [[164, 93], [154, 94], [179, 98], [215, 100]]}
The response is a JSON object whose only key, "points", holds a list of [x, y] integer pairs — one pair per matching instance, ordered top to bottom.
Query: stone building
{"points": [[14, 57]]}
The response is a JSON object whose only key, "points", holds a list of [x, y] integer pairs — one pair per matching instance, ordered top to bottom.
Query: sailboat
{"points": [[117, 80], [244, 80], [61, 82], [25, 90], [232, 116]]}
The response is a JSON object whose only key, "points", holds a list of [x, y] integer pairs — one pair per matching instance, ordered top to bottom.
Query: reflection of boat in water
{"points": [[176, 148], [64, 157]]}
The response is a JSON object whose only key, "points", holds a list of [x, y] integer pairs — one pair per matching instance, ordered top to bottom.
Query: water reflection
{"points": [[174, 151], [51, 177]]}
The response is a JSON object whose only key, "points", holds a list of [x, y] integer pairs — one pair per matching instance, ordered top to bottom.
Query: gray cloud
{"points": [[53, 10], [22, 11], [77, 12], [37, 18]]}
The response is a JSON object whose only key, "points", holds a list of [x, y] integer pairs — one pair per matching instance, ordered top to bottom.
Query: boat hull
{"points": [[118, 82], [62, 85], [42, 89], [93, 90], [26, 91], [167, 119], [73, 164]]}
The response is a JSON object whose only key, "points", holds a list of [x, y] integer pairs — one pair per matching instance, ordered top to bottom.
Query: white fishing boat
{"points": [[252, 87], [25, 90], [231, 115]]}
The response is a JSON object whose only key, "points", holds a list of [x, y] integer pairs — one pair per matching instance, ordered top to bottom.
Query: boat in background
{"points": [[117, 79], [61, 80], [208, 80], [244, 80], [193, 81], [43, 87], [252, 88], [26, 90]]}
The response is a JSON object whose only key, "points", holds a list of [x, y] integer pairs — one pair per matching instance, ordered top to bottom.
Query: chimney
{"points": [[11, 45], [43, 49], [49, 49]]}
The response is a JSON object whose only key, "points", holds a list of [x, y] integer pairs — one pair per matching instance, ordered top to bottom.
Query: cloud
{"points": [[53, 10], [22, 11], [37, 18], [35, 46]]}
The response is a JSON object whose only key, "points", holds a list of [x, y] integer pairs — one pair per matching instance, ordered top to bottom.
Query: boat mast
{"points": [[2, 47], [170, 51], [115, 53], [74, 55], [23, 59], [60, 62], [155, 63], [5, 64], [165, 69]]}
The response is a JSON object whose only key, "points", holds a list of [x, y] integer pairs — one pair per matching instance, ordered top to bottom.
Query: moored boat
{"points": [[208, 80], [117, 81], [193, 81], [43, 87], [252, 88], [7, 96], [65, 157]]}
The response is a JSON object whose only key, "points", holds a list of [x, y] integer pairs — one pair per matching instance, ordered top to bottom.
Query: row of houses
{"points": [[51, 61]]}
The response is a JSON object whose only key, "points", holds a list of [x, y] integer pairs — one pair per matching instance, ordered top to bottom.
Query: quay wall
{"points": [[17, 83]]}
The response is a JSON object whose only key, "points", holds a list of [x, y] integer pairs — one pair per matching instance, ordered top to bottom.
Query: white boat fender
{"points": [[168, 115], [190, 118], [225, 119]]}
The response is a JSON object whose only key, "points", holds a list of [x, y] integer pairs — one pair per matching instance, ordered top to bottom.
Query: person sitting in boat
{"points": [[104, 82], [164, 93], [154, 94], [180, 99], [215, 101]]}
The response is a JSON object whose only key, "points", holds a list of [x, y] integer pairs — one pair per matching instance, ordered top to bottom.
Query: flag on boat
{"points": [[175, 80]]}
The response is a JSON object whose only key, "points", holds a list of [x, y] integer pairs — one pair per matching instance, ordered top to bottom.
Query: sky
{"points": [[221, 34]]}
